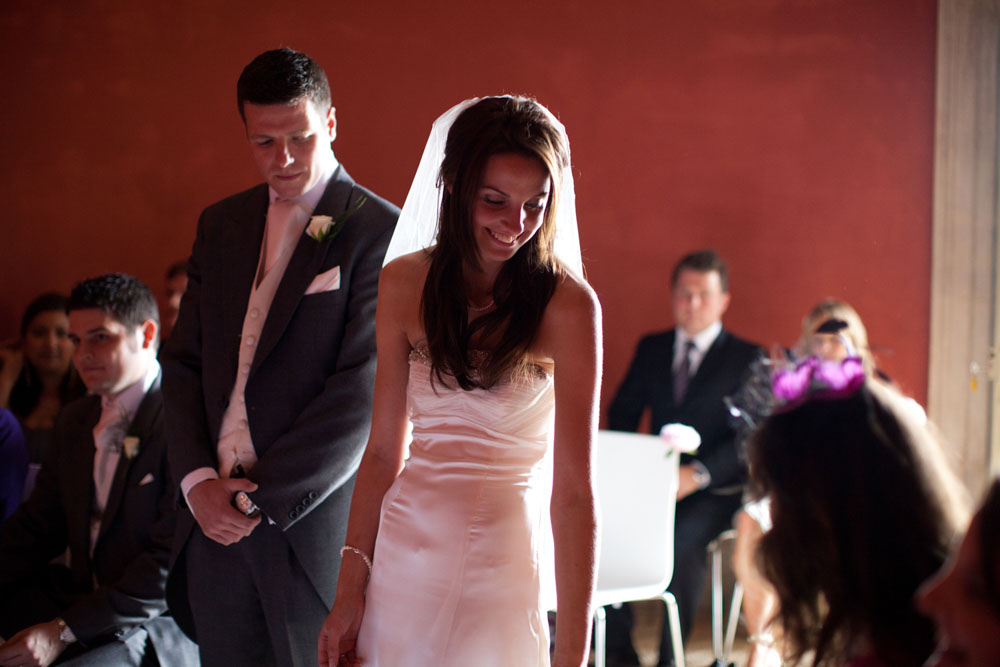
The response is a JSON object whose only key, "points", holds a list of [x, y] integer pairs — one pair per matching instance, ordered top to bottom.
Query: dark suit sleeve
{"points": [[632, 396], [187, 422], [323, 448], [720, 451], [723, 463]]}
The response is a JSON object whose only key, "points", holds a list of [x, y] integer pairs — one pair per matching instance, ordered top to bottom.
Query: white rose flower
{"points": [[319, 227], [681, 437]]}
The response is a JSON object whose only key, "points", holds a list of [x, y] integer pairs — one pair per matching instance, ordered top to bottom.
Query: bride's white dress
{"points": [[463, 563]]}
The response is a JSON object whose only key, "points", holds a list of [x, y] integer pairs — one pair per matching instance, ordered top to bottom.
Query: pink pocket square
{"points": [[325, 282], [148, 479]]}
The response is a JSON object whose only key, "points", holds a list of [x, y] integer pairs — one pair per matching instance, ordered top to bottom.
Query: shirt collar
{"points": [[703, 339], [128, 399]]}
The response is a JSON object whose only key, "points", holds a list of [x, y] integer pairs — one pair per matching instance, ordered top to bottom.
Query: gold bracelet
{"points": [[364, 556]]}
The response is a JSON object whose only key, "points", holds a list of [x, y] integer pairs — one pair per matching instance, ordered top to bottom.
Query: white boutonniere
{"points": [[324, 227], [681, 437], [130, 446]]}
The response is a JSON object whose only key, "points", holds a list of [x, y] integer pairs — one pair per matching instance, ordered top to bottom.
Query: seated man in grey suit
{"points": [[682, 376], [269, 378], [104, 493]]}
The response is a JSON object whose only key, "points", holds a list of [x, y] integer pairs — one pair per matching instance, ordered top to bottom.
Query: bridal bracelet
{"points": [[364, 556]]}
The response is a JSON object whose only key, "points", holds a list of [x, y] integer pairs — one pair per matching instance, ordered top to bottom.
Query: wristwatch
{"points": [[701, 475], [242, 502]]}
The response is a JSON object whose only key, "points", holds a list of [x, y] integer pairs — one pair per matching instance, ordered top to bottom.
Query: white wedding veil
{"points": [[418, 221]]}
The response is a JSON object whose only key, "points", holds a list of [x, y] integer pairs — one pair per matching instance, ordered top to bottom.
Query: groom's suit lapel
{"points": [[244, 233], [304, 265], [79, 484]]}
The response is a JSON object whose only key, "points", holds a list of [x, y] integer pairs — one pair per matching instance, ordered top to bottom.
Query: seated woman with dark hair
{"points": [[831, 331], [36, 371], [863, 509], [964, 597]]}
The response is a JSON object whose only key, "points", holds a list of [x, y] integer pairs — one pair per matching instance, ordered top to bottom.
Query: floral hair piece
{"points": [[815, 379]]}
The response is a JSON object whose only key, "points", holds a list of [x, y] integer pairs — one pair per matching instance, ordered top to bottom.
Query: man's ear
{"points": [[331, 122], [148, 330]]}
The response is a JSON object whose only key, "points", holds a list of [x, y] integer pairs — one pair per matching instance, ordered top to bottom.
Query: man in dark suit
{"points": [[682, 376], [268, 378], [105, 493]]}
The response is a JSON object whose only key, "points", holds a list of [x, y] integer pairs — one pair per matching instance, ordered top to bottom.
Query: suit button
{"points": [[312, 495], [307, 501], [300, 508], [293, 514]]}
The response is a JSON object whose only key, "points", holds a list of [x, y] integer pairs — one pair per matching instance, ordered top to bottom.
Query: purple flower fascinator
{"points": [[814, 379]]}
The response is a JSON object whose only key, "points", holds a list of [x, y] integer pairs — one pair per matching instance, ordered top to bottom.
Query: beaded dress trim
{"points": [[422, 355]]}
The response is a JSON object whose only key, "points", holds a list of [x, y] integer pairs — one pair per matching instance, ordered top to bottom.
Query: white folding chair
{"points": [[637, 488], [722, 649]]}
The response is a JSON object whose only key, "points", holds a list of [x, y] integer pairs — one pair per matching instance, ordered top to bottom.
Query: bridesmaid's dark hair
{"points": [[526, 282], [864, 509]]}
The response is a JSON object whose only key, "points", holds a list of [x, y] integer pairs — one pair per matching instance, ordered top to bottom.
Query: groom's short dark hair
{"points": [[283, 76]]}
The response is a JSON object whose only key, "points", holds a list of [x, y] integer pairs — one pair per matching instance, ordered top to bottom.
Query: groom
{"points": [[268, 379]]}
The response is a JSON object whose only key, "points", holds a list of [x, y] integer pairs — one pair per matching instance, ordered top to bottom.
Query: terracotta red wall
{"points": [[795, 137]]}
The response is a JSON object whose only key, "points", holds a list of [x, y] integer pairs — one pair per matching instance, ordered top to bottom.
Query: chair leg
{"points": [[715, 549], [674, 618], [734, 618], [600, 647]]}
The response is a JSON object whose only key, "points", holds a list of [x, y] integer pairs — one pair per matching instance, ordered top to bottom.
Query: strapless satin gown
{"points": [[463, 569]]}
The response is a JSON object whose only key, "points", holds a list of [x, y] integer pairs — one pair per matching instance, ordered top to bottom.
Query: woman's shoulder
{"points": [[407, 270], [573, 298], [572, 320]]}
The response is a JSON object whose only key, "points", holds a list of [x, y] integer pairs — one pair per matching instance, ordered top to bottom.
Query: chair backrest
{"points": [[637, 490]]}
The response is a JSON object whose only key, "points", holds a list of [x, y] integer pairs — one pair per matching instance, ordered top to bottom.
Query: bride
{"points": [[489, 344]]}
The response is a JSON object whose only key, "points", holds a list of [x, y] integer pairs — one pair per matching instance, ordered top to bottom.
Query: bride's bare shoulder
{"points": [[406, 271], [573, 298]]}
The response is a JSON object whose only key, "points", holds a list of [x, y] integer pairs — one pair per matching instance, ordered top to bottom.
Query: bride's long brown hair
{"points": [[526, 282]]}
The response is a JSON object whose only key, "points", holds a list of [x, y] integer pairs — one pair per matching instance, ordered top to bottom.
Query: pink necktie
{"points": [[279, 215]]}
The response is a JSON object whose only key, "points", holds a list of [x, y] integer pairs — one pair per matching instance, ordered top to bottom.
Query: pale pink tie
{"points": [[280, 214]]}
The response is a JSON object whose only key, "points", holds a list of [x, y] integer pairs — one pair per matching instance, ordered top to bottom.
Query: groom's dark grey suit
{"points": [[308, 391]]}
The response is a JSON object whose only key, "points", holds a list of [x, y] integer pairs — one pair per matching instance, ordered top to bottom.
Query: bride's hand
{"points": [[339, 633]]}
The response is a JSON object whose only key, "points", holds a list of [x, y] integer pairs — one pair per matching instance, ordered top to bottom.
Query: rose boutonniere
{"points": [[324, 227], [681, 437], [130, 446]]}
